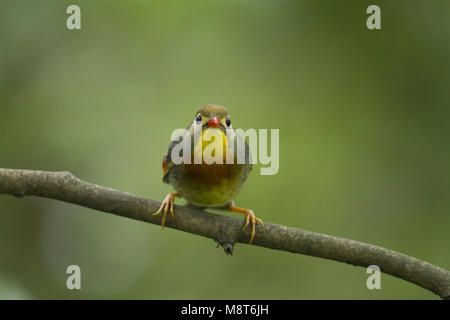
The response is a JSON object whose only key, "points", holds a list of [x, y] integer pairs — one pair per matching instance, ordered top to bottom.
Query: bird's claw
{"points": [[167, 204], [250, 215]]}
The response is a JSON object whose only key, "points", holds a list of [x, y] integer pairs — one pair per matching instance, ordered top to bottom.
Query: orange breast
{"points": [[205, 176], [212, 185]]}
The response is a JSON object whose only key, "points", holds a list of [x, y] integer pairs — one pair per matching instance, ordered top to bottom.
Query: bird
{"points": [[208, 184]]}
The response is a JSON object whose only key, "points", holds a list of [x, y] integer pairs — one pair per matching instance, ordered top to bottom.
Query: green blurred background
{"points": [[364, 139]]}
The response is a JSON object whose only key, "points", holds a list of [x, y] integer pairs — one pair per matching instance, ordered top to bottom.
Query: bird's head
{"points": [[213, 116]]}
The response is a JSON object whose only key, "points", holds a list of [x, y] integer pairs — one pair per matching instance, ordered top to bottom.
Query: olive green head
{"points": [[212, 115]]}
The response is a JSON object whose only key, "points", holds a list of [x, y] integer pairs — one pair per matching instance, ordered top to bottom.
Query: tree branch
{"points": [[224, 229]]}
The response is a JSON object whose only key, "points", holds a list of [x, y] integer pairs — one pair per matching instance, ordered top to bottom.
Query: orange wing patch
{"points": [[164, 164]]}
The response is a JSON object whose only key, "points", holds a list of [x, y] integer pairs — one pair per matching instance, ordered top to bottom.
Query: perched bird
{"points": [[206, 184]]}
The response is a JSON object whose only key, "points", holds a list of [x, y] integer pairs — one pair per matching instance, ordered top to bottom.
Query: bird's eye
{"points": [[198, 118], [228, 122]]}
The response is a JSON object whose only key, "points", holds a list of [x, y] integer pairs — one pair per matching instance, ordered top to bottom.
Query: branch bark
{"points": [[224, 229]]}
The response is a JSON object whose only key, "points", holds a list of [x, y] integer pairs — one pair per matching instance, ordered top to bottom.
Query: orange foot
{"points": [[168, 202], [249, 216]]}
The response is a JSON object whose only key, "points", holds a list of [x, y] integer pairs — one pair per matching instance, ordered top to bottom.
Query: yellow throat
{"points": [[211, 147]]}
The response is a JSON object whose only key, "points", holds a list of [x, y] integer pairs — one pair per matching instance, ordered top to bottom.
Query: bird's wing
{"points": [[239, 139], [167, 160]]}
